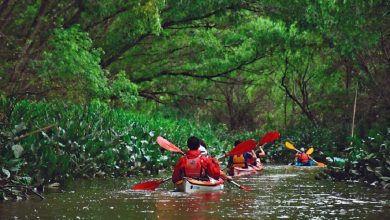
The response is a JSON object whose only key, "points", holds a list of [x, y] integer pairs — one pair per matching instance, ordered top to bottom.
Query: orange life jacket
{"points": [[238, 161], [193, 167]]}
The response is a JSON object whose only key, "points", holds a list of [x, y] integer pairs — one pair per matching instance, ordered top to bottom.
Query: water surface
{"points": [[281, 192]]}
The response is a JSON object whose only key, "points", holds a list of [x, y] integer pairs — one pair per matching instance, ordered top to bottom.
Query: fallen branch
{"points": [[32, 132], [21, 186]]}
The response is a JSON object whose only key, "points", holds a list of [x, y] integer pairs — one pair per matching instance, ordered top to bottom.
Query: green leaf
{"points": [[18, 150], [6, 172], [385, 178], [26, 180]]}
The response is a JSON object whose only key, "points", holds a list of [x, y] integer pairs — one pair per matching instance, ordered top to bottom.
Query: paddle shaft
{"points": [[164, 180], [234, 183], [238, 185]]}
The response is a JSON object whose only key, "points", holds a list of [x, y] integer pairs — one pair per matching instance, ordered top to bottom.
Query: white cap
{"points": [[302, 149], [202, 150]]}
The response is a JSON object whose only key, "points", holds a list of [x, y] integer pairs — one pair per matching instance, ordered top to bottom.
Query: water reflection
{"points": [[190, 206]]}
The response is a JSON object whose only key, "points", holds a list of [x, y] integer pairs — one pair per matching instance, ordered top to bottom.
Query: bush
{"points": [[94, 140], [368, 160]]}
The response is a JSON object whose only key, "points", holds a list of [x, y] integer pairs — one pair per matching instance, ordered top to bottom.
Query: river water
{"points": [[282, 192]]}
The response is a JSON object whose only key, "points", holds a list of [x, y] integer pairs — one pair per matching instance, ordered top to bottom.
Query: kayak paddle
{"points": [[269, 137], [168, 145], [291, 147], [241, 148], [310, 151], [224, 176], [149, 185], [239, 186]]}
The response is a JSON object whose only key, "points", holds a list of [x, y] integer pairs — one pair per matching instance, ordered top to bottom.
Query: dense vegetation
{"points": [[315, 70], [93, 140]]}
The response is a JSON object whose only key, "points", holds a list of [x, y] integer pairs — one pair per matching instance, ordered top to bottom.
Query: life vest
{"points": [[303, 158], [238, 161], [193, 167]]}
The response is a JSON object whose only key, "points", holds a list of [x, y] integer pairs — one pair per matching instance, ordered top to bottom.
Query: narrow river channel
{"points": [[282, 192]]}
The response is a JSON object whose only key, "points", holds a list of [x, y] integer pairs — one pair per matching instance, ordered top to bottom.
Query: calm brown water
{"points": [[281, 192]]}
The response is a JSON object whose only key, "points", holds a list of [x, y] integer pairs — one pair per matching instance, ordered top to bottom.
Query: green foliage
{"points": [[72, 64], [124, 90], [305, 135], [95, 140], [368, 160]]}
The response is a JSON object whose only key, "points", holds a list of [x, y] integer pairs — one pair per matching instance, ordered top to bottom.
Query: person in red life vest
{"points": [[203, 151], [302, 159], [195, 165]]}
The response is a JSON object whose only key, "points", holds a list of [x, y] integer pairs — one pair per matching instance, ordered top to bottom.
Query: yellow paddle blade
{"points": [[289, 145], [310, 151], [320, 164]]}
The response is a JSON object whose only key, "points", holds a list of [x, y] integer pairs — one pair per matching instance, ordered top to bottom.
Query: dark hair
{"points": [[201, 142], [237, 142], [193, 143]]}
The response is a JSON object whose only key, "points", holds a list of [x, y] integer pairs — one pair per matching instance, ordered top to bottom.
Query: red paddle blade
{"points": [[269, 137], [168, 145], [243, 147], [149, 185], [245, 188]]}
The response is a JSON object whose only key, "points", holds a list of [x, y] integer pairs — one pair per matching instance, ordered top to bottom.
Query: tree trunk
{"points": [[25, 53]]}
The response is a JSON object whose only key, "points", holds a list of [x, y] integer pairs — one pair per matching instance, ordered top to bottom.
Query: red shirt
{"points": [[210, 165]]}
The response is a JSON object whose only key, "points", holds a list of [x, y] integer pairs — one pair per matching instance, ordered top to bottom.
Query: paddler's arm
{"points": [[262, 153], [176, 175], [225, 176]]}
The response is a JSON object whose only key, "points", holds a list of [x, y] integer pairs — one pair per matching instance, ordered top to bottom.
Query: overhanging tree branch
{"points": [[113, 57], [193, 74]]}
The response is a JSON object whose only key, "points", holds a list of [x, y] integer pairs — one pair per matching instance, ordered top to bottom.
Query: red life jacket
{"points": [[304, 158], [193, 167]]}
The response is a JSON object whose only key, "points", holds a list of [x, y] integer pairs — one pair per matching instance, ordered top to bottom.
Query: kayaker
{"points": [[203, 151], [259, 154], [251, 158], [302, 159], [237, 160], [241, 160], [195, 165]]}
